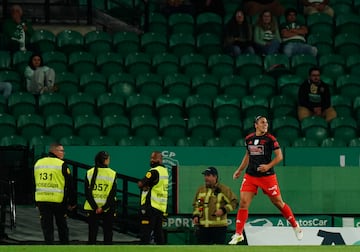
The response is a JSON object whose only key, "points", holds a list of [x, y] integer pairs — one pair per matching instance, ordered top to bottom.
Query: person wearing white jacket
{"points": [[39, 78]]}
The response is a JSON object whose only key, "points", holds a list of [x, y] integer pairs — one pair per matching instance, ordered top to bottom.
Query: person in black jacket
{"points": [[314, 98], [100, 192]]}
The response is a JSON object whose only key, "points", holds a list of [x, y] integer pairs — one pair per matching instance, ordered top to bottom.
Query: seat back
{"points": [[30, 125], [116, 126], [315, 127]]}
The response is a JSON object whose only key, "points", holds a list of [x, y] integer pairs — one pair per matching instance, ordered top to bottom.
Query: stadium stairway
{"points": [[28, 230]]}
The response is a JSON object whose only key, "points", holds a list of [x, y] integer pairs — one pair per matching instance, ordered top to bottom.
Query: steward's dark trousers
{"points": [[48, 211], [151, 220], [107, 225], [211, 235]]}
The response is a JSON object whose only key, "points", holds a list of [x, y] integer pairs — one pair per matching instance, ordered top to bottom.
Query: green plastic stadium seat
{"points": [[181, 23], [43, 40], [69, 41], [97, 42], [126, 42], [153, 43], [182, 44], [56, 60], [81, 62], [108, 63], [138, 63], [165, 63], [193, 64], [221, 65], [248, 65], [332, 65], [67, 82], [93, 83], [149, 84], [177, 85], [205, 85], [234, 85], [262, 85], [348, 85], [21, 103], [81, 104], [110, 104], [138, 104], [169, 105], [197, 105], [254, 105], [281, 105], [227, 106], [7, 125], [30, 125], [59, 125], [87, 126], [116, 126], [145, 126], [172, 126], [201, 126], [286, 127], [315, 127], [229, 128], [344, 128], [13, 140], [72, 141], [101, 141], [132, 141], [160, 141], [189, 141], [218, 142], [304, 142], [333, 142]]}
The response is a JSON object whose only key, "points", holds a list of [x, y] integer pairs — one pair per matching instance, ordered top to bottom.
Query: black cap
{"points": [[210, 170]]}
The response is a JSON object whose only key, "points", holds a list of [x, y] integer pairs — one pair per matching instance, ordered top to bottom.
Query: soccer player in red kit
{"points": [[260, 173]]}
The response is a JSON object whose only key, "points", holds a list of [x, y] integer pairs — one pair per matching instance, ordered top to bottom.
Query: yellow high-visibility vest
{"points": [[49, 180], [103, 184], [159, 192]]}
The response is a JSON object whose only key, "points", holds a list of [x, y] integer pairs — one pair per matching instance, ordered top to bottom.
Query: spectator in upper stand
{"points": [[215, 6], [317, 6], [255, 7], [17, 30], [266, 34], [238, 35], [293, 36], [39, 78], [314, 97]]}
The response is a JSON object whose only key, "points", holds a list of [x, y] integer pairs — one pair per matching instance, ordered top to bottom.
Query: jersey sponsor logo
{"points": [[256, 149]]}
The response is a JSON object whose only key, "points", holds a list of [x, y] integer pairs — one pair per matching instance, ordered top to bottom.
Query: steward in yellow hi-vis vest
{"points": [[100, 192], [54, 193], [154, 197], [212, 202]]}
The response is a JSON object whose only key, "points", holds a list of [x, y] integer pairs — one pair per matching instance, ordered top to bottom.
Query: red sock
{"points": [[288, 214], [242, 216]]}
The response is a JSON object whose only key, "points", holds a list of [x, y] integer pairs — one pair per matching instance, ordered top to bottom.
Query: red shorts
{"points": [[268, 184]]}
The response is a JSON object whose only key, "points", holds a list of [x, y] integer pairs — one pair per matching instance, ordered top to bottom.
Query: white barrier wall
{"points": [[312, 236]]}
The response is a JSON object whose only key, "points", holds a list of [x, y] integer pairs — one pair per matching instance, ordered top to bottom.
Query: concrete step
{"points": [[28, 230]]}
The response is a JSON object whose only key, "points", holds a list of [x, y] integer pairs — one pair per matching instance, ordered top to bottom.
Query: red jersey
{"points": [[260, 150]]}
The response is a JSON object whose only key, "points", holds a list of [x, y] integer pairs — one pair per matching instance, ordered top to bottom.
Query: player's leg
{"points": [[270, 187], [247, 192]]}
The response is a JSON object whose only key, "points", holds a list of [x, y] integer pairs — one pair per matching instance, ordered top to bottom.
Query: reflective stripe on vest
{"points": [[49, 180], [102, 187], [159, 192]]}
